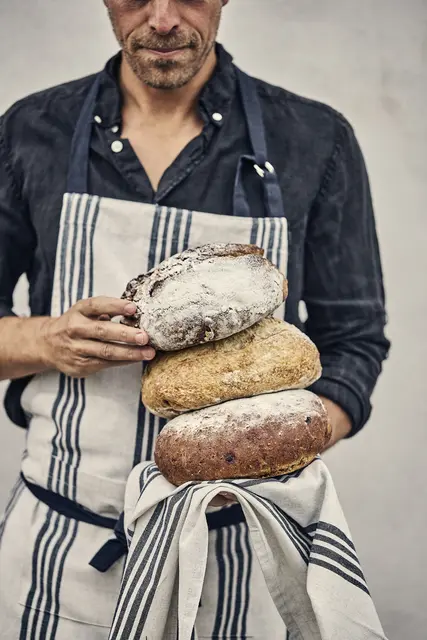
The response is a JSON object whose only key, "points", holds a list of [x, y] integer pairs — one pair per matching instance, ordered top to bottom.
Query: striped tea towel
{"points": [[297, 531]]}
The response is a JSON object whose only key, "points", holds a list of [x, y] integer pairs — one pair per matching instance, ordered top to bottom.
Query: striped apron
{"points": [[86, 435]]}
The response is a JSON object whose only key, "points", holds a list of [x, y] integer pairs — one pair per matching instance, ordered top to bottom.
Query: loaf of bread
{"points": [[205, 294], [272, 355], [264, 436]]}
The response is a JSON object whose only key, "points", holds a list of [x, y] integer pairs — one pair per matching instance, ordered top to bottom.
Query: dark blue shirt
{"points": [[334, 262]]}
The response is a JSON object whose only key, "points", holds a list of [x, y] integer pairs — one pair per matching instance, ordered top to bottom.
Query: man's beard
{"points": [[164, 73]]}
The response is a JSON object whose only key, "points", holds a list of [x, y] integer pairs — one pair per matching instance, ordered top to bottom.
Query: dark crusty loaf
{"points": [[205, 294], [272, 355], [264, 436]]}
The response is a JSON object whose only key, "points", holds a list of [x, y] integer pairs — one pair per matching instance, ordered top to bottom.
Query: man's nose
{"points": [[164, 16]]}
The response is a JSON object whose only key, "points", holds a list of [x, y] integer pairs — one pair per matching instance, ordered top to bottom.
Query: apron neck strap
{"points": [[78, 171], [272, 194]]}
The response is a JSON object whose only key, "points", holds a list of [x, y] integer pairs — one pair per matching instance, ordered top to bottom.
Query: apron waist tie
{"points": [[116, 548]]}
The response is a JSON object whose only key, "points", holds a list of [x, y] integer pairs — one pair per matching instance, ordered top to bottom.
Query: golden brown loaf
{"points": [[205, 294], [269, 356], [264, 436]]}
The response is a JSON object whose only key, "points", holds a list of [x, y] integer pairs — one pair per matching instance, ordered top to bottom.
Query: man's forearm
{"points": [[20, 353], [339, 420]]}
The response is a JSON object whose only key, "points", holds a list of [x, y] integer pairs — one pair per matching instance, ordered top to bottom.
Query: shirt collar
{"points": [[214, 100]]}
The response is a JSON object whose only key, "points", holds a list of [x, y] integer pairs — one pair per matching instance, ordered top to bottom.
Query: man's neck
{"points": [[161, 104]]}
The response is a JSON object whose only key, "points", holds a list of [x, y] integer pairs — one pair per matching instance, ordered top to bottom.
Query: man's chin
{"points": [[165, 76]]}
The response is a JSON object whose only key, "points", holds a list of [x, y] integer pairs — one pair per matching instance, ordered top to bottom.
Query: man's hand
{"points": [[80, 342], [340, 422]]}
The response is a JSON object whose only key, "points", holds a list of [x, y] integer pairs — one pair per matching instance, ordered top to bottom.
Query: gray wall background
{"points": [[367, 59]]}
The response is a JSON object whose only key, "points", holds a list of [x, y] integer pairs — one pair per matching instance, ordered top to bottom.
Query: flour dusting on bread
{"points": [[205, 294], [247, 414]]}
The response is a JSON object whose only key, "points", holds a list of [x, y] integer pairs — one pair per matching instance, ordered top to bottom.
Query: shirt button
{"points": [[217, 117], [98, 120], [115, 129], [117, 146]]}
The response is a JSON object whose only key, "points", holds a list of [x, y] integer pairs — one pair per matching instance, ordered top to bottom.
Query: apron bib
{"points": [[86, 435]]}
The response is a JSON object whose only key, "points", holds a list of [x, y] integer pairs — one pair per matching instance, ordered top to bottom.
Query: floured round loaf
{"points": [[205, 294], [272, 355], [264, 436]]}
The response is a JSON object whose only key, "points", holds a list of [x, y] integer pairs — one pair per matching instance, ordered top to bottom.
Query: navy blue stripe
{"points": [[262, 222], [187, 231], [254, 231], [176, 232], [165, 235], [271, 237], [154, 239], [63, 252], [73, 256], [91, 256], [278, 261], [80, 275], [81, 392], [74, 399], [62, 435], [151, 435], [56, 440], [137, 454], [147, 478], [282, 479], [330, 528], [229, 532], [333, 542], [219, 553], [59, 554], [336, 557], [344, 576], [44, 585], [33, 587], [247, 590], [239, 602]]}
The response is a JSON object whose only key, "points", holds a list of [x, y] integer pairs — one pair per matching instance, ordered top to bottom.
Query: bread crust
{"points": [[205, 294], [270, 356], [264, 436]]}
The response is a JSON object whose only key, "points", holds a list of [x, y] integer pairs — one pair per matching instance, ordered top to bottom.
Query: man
{"points": [[169, 146]]}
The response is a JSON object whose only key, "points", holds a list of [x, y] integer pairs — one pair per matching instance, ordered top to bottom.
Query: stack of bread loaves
{"points": [[230, 377]]}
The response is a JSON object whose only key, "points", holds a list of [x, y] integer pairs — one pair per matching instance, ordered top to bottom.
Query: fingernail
{"points": [[130, 308], [141, 338], [149, 354]]}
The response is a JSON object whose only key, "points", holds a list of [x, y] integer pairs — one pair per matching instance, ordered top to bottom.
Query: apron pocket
{"points": [[56, 577]]}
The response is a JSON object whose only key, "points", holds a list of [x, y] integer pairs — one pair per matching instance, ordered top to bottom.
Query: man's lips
{"points": [[164, 51]]}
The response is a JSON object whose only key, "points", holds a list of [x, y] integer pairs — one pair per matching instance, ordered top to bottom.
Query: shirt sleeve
{"points": [[16, 232], [343, 287]]}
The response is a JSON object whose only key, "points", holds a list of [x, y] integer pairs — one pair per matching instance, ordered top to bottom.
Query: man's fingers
{"points": [[102, 305], [112, 332], [109, 351]]}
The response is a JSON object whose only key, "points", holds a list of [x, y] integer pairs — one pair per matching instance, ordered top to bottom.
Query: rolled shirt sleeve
{"points": [[16, 232], [343, 283]]}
